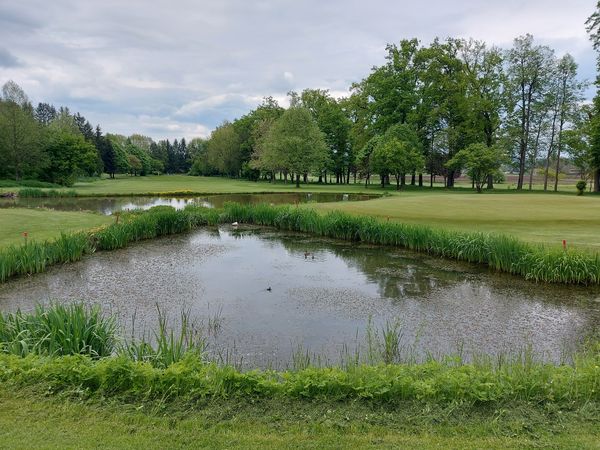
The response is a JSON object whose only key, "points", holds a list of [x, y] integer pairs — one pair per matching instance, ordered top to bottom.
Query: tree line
{"points": [[454, 106], [54, 145]]}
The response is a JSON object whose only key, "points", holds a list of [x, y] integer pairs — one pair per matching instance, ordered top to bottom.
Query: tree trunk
{"points": [[559, 148], [549, 154], [305, 178], [413, 179], [450, 179], [297, 180], [420, 180], [431, 180], [597, 180], [490, 181], [398, 182]]}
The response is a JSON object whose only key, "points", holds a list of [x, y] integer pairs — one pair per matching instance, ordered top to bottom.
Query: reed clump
{"points": [[33, 192], [58, 330]]}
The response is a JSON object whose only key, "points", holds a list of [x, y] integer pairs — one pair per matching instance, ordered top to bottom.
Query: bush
{"points": [[581, 185]]}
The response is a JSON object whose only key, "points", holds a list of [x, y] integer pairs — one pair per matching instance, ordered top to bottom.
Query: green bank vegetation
{"points": [[502, 253]]}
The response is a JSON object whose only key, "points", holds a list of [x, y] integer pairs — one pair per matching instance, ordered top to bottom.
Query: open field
{"points": [[124, 185], [529, 216], [43, 224], [32, 421]]}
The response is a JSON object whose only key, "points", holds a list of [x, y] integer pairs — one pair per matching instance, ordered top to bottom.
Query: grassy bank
{"points": [[42, 225], [499, 252], [75, 395], [30, 418]]}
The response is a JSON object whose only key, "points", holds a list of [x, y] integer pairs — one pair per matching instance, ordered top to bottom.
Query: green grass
{"points": [[149, 185], [532, 217], [41, 225], [31, 419]]}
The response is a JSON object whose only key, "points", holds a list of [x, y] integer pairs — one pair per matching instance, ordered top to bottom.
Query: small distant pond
{"points": [[109, 205], [323, 294]]}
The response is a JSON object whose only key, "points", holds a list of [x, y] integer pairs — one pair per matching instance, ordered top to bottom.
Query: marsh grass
{"points": [[35, 192], [166, 346], [73, 348]]}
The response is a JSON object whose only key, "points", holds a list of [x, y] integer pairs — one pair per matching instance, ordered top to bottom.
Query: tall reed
{"points": [[58, 330]]}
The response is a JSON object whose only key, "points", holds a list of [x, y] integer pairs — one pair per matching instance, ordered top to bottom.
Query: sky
{"points": [[178, 68]]}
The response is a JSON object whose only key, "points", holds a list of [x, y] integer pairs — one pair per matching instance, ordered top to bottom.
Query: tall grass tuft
{"points": [[502, 253], [58, 330], [167, 347]]}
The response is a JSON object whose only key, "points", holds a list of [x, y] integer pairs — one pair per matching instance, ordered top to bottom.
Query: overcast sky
{"points": [[177, 68]]}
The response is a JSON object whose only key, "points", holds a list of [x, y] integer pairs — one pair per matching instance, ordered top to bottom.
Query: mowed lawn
{"points": [[124, 184], [537, 217], [41, 224], [41, 422]]}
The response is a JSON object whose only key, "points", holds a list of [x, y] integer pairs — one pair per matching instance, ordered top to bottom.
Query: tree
{"points": [[593, 28], [528, 78], [45, 113], [335, 125], [296, 142], [223, 149], [21, 153], [397, 153], [69, 156], [363, 158], [480, 161]]}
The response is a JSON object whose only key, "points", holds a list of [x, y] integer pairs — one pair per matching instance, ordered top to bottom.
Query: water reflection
{"points": [[108, 205], [318, 302]]}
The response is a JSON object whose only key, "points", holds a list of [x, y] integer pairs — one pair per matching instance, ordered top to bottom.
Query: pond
{"points": [[108, 205], [323, 293]]}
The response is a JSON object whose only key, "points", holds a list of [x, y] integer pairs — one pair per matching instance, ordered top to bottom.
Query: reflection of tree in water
{"points": [[397, 275]]}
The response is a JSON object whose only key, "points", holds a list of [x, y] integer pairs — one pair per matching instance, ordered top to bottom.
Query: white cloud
{"points": [[171, 68]]}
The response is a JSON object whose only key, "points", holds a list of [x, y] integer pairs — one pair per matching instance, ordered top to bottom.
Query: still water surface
{"points": [[108, 205], [323, 293]]}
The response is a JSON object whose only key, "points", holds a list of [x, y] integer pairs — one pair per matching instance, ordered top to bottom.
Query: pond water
{"points": [[108, 205], [323, 294]]}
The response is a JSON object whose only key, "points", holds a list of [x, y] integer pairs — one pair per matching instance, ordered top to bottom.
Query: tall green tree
{"points": [[593, 28], [529, 74], [296, 141], [224, 151], [21, 152], [70, 156], [480, 162]]}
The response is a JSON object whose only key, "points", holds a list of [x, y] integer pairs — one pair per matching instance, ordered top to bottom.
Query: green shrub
{"points": [[581, 185]]}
